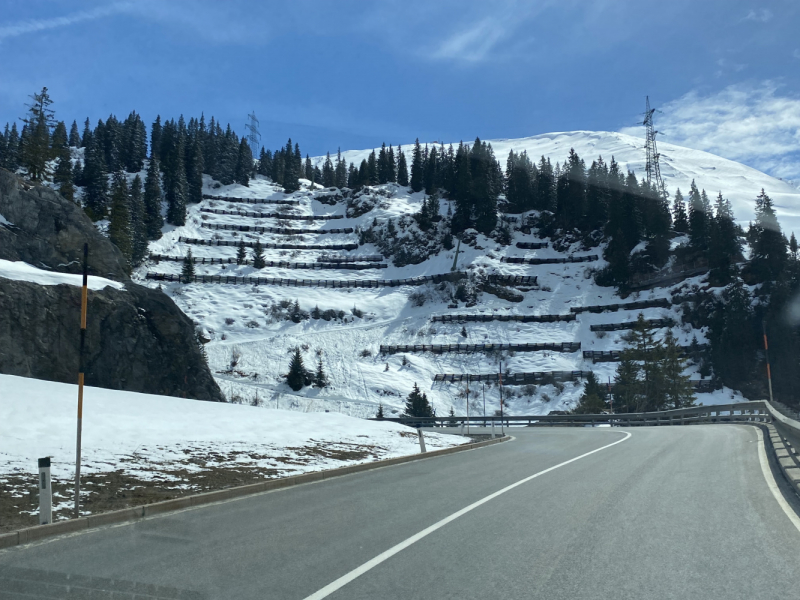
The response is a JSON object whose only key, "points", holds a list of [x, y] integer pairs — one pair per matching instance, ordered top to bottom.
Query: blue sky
{"points": [[354, 74]]}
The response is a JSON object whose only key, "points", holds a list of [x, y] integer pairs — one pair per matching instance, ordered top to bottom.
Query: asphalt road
{"points": [[670, 512]]}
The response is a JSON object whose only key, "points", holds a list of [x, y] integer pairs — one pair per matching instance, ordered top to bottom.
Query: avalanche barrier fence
{"points": [[260, 215], [279, 230], [268, 246], [199, 260], [548, 261], [326, 283], [598, 308], [516, 318], [444, 348]]}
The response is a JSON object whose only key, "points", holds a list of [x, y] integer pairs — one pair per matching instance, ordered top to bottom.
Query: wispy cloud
{"points": [[763, 15], [36, 25], [750, 123]]}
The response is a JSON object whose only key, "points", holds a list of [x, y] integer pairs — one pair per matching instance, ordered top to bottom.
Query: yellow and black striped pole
{"points": [[84, 300]]}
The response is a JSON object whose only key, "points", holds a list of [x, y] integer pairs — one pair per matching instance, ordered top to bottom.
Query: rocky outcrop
{"points": [[48, 231], [137, 338]]}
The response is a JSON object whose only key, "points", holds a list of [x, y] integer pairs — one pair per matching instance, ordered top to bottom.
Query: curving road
{"points": [[666, 512]]}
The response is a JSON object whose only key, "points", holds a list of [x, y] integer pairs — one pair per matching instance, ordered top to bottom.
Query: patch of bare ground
{"points": [[203, 472]]}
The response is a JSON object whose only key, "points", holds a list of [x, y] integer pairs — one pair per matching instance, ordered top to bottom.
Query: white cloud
{"points": [[762, 16], [35, 25], [473, 43], [752, 124]]}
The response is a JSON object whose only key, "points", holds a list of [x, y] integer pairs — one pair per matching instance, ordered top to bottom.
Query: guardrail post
{"points": [[492, 428], [421, 441], [45, 492]]}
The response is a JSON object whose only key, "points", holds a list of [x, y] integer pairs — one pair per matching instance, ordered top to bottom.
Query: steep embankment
{"points": [[373, 321], [137, 339]]}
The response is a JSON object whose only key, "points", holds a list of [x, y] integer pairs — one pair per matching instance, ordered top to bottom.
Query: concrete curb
{"points": [[32, 534]]}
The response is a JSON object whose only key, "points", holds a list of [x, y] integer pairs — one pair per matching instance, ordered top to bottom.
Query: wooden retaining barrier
{"points": [[250, 200], [260, 215], [280, 230], [532, 245], [268, 246], [333, 258], [200, 260], [549, 261], [513, 279], [326, 283], [598, 308], [492, 317], [631, 325], [443, 348], [616, 355], [512, 378]]}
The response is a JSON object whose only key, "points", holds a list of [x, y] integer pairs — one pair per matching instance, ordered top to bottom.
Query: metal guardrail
{"points": [[260, 215], [279, 230], [267, 246], [201, 260], [549, 261], [516, 318], [443, 348], [758, 411]]}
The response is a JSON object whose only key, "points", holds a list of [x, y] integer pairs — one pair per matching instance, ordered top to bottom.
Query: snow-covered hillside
{"points": [[679, 166], [251, 331]]}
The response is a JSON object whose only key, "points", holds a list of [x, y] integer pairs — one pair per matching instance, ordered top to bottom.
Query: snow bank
{"points": [[20, 271], [149, 436]]}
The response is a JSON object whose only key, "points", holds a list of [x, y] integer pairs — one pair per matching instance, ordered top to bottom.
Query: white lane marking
{"points": [[772, 484], [358, 571]]}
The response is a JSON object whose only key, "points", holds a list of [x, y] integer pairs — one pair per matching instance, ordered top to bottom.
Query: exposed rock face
{"points": [[48, 231], [137, 338]]}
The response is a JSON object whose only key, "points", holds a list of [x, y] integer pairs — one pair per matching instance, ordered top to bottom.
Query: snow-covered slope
{"points": [[679, 166], [251, 335], [160, 439]]}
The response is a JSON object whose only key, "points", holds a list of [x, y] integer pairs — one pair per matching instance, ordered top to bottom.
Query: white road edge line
{"points": [[771, 483], [370, 564]]}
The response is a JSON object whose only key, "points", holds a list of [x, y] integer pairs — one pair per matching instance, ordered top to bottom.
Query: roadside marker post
{"points": [[81, 367], [421, 441], [45, 492]]}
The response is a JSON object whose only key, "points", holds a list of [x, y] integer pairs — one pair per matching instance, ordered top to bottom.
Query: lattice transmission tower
{"points": [[253, 135], [652, 167]]}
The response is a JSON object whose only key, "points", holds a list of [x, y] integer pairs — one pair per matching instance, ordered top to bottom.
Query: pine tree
{"points": [[87, 133], [74, 135], [155, 139], [60, 142], [36, 150], [244, 163], [402, 167], [416, 168], [372, 169], [194, 171], [340, 171], [328, 172], [291, 175], [64, 179], [96, 180], [177, 187], [152, 201], [699, 210], [138, 222], [680, 222], [119, 226], [793, 246], [724, 247], [769, 250], [241, 253], [258, 256], [187, 272], [648, 353], [297, 375], [320, 378], [627, 387], [678, 390], [592, 401], [417, 404], [380, 414]]}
